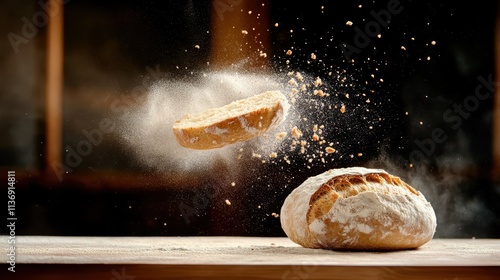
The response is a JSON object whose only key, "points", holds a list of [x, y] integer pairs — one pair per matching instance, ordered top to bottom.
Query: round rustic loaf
{"points": [[238, 121], [357, 209]]}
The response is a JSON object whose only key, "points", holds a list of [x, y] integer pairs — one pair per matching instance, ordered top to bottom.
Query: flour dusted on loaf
{"points": [[238, 121], [357, 209]]}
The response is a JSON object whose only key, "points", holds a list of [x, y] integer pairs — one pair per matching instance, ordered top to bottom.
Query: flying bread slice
{"points": [[238, 121]]}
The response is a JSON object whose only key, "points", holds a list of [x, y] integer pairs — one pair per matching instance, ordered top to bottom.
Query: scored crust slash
{"points": [[238, 121]]}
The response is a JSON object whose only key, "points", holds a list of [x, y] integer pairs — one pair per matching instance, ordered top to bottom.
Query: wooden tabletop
{"points": [[247, 257]]}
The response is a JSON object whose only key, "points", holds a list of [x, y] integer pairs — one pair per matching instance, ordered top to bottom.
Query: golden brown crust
{"points": [[230, 130]]}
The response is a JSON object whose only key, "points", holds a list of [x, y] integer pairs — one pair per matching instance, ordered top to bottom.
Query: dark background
{"points": [[108, 45]]}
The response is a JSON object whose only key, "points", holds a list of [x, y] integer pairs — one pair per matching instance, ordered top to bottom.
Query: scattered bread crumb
{"points": [[348, 23], [276, 25], [244, 32], [196, 46], [289, 52], [313, 56], [299, 76], [293, 82], [318, 82], [319, 93], [342, 109], [296, 132], [315, 137], [330, 150], [233, 184], [228, 202], [275, 215]]}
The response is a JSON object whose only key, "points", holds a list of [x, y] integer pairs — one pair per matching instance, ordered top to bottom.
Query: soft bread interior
{"points": [[268, 99], [351, 185]]}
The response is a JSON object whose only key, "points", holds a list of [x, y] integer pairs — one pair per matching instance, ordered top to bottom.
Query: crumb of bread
{"points": [[348, 23], [276, 25], [244, 32], [433, 43], [196, 46], [403, 48], [289, 52], [313, 56], [299, 76], [293, 82], [318, 82], [319, 93], [342, 109], [315, 128], [296, 132], [280, 135], [315, 137], [302, 150], [360, 154], [256, 155], [273, 155], [285, 158], [233, 184], [228, 202], [275, 215]]}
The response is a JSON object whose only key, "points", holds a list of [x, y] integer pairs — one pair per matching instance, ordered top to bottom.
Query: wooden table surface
{"points": [[53, 257]]}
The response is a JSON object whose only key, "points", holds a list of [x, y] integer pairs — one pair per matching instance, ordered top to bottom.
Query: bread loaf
{"points": [[238, 121], [357, 209]]}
